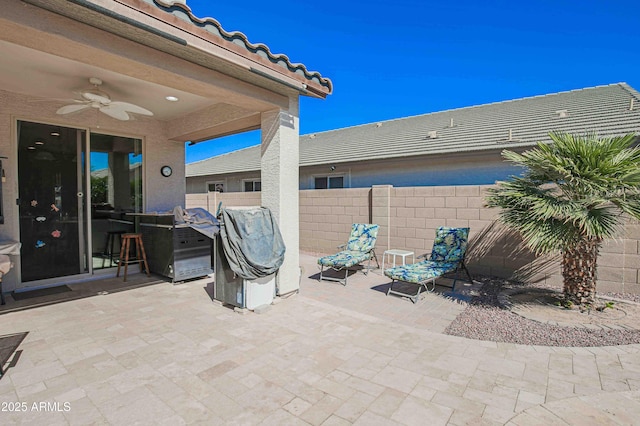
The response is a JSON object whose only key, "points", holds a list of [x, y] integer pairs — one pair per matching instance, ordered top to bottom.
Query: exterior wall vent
{"points": [[631, 105], [562, 113], [451, 122], [432, 134]]}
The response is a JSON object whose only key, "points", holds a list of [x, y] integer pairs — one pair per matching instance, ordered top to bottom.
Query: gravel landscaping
{"points": [[485, 318]]}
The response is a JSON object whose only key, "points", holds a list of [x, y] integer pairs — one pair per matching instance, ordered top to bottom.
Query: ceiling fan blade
{"points": [[96, 97], [54, 100], [126, 106], [68, 109], [115, 112]]}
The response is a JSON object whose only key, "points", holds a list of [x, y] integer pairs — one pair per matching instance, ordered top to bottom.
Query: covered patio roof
{"points": [[143, 51], [183, 78]]}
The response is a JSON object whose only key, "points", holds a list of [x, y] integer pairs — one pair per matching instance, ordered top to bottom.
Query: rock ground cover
{"points": [[504, 311]]}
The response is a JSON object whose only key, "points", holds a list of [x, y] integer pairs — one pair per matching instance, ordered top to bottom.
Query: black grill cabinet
{"points": [[175, 251]]}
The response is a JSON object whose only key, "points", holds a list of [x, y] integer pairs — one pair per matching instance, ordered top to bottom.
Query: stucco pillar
{"points": [[280, 187]]}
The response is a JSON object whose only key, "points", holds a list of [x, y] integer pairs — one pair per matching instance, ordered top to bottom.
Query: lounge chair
{"points": [[358, 249], [447, 256]]}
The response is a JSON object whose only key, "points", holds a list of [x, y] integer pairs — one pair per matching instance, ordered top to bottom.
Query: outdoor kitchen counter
{"points": [[174, 250]]}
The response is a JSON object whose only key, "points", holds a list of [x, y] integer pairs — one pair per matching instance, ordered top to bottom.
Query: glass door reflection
{"points": [[116, 189]]}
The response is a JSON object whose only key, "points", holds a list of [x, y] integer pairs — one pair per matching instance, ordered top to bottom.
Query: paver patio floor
{"points": [[166, 354]]}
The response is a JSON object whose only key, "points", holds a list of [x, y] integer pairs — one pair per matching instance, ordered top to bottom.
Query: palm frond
{"points": [[571, 189]]}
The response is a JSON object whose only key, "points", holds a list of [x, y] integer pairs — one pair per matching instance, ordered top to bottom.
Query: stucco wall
{"points": [[478, 168], [435, 170], [232, 183], [160, 194], [409, 217]]}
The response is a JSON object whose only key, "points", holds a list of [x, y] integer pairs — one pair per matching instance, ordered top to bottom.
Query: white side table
{"points": [[402, 253]]}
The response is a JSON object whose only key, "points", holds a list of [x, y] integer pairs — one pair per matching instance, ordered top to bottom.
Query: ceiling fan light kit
{"points": [[96, 98]]}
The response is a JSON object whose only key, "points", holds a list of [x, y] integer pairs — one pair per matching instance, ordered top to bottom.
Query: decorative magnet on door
{"points": [[34, 203], [54, 208], [41, 218], [56, 234], [40, 244]]}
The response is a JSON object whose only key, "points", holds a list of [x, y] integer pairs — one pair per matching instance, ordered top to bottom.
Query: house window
{"points": [[329, 182], [215, 186], [252, 186]]}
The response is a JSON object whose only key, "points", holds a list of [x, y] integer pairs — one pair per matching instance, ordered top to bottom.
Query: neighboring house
{"points": [[125, 83], [455, 147]]}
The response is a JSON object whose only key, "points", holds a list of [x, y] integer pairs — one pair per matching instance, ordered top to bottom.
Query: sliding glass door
{"points": [[116, 191], [52, 201], [71, 223]]}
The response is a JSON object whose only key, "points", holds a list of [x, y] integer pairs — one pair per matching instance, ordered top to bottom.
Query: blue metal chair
{"points": [[358, 249], [447, 256]]}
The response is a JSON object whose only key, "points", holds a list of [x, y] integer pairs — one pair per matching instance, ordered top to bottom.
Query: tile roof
{"points": [[211, 26], [171, 27], [605, 110]]}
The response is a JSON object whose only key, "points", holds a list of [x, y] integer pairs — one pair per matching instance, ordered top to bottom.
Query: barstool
{"points": [[108, 249], [124, 254]]}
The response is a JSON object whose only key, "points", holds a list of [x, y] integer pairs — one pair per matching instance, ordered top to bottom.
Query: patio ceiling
{"points": [[51, 49], [47, 77]]}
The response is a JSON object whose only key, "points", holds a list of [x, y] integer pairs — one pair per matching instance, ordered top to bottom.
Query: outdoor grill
{"points": [[175, 250], [248, 253]]}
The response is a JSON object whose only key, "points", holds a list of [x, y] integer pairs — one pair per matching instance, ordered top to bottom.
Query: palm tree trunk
{"points": [[579, 265]]}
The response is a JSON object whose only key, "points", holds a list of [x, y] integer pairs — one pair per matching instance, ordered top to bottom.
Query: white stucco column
{"points": [[280, 187]]}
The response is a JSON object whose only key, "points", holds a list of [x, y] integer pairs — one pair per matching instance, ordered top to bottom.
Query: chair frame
{"points": [[460, 266], [366, 269], [414, 298]]}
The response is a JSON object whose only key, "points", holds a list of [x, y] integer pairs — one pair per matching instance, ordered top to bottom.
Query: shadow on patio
{"points": [[77, 290], [364, 293], [367, 294], [9, 344]]}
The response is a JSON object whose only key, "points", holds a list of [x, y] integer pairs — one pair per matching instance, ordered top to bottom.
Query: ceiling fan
{"points": [[96, 98]]}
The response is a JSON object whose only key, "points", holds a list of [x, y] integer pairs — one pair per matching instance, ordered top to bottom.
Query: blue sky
{"points": [[392, 59]]}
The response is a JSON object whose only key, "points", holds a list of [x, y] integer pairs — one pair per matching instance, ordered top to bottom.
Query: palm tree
{"points": [[574, 193]]}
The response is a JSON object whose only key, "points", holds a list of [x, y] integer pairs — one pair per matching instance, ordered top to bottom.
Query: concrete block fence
{"points": [[409, 216]]}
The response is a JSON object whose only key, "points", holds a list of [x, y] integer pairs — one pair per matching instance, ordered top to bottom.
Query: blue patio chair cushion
{"points": [[363, 237], [450, 244], [358, 248], [448, 252], [344, 259], [420, 272]]}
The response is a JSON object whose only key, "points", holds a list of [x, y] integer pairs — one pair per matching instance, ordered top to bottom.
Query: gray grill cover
{"points": [[198, 219], [252, 242]]}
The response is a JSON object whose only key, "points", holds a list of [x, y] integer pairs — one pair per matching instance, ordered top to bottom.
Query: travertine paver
{"points": [[367, 294], [167, 354]]}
